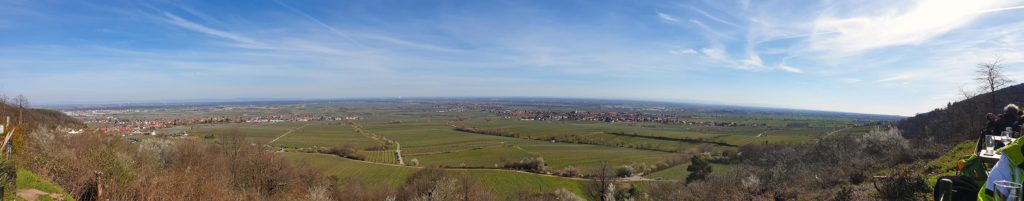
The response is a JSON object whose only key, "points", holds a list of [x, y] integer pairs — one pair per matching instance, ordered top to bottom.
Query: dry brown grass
{"points": [[95, 167], [109, 168]]}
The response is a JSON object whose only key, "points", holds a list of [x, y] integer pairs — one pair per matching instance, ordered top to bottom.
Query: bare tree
{"points": [[990, 77], [966, 93], [4, 99], [21, 101], [603, 177]]}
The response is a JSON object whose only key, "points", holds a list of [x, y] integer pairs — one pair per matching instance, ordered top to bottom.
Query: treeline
{"points": [[960, 120], [574, 139], [685, 139]]}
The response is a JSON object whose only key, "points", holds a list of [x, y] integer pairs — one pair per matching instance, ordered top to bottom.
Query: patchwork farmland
{"points": [[385, 142]]}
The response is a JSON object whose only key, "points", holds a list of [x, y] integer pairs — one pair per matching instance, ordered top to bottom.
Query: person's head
{"points": [[1011, 109], [991, 117]]}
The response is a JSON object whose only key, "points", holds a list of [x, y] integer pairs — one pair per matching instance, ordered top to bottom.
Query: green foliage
{"points": [[945, 165], [699, 169], [624, 171]]}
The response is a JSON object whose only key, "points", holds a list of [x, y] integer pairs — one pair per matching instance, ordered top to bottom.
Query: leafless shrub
{"points": [[881, 142], [95, 167], [569, 171], [602, 179], [436, 184], [903, 184], [558, 195]]}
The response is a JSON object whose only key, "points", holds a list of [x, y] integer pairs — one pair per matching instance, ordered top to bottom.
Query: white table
{"points": [[993, 156]]}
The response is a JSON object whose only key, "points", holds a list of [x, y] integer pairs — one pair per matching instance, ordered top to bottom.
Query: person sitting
{"points": [[1009, 118], [1017, 125], [990, 126]]}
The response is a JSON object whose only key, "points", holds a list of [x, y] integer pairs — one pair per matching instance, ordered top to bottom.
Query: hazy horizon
{"points": [[871, 57]]}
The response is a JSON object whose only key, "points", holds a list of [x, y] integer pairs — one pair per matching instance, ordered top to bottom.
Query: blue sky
{"points": [[884, 57]]}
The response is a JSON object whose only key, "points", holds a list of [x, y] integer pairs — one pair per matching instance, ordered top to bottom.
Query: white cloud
{"points": [[667, 17], [173, 19], [717, 19], [925, 20], [711, 33], [683, 52], [715, 53], [718, 54], [754, 61], [790, 69], [900, 77]]}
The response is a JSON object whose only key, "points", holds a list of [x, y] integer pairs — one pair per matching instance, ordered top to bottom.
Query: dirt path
{"points": [[836, 131], [286, 133], [398, 153], [34, 194]]}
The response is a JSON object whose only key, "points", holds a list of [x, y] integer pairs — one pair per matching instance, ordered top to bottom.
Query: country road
{"points": [[286, 133]]}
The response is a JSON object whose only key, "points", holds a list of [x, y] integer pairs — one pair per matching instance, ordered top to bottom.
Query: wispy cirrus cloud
{"points": [[667, 17], [923, 21], [183, 23], [790, 69]]}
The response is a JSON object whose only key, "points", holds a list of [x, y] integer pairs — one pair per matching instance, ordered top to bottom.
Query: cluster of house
{"points": [[611, 117], [149, 126]]}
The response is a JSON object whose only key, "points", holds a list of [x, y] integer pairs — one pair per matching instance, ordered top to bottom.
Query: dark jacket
{"points": [[1007, 120], [992, 128]]}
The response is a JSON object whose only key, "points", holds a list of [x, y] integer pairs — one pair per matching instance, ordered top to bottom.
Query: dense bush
{"points": [[345, 150], [532, 164], [833, 168], [699, 169], [624, 171]]}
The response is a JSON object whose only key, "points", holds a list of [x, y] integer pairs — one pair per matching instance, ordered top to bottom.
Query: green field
{"points": [[261, 132], [325, 136], [649, 136], [479, 137], [430, 138], [435, 143], [387, 156], [504, 183]]}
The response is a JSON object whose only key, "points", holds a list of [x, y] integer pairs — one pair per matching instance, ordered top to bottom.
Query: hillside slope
{"points": [[37, 118], [959, 120]]}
